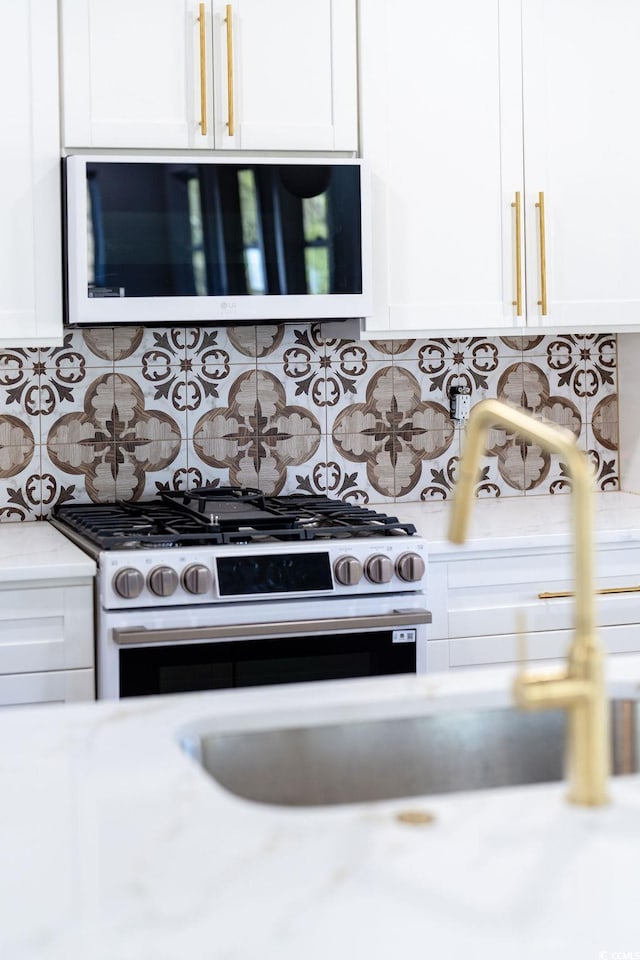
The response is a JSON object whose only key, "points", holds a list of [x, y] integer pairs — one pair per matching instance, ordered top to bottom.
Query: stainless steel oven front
{"points": [[221, 588], [210, 648], [175, 650]]}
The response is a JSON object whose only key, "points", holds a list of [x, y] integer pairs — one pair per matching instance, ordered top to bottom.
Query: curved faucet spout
{"points": [[580, 689]]}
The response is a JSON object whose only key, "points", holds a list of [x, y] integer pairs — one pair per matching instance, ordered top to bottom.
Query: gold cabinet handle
{"points": [[203, 69], [230, 110], [543, 256], [517, 303], [570, 593]]}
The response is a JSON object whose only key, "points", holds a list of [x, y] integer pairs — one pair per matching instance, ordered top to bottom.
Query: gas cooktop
{"points": [[222, 515]]}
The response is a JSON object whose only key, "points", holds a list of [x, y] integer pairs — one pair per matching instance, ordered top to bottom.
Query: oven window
{"points": [[181, 668]]}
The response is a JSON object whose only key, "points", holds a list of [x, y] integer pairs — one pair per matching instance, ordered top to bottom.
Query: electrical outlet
{"points": [[459, 403]]}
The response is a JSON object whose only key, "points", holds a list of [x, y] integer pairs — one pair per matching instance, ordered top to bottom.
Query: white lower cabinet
{"points": [[481, 600], [46, 642], [56, 686]]}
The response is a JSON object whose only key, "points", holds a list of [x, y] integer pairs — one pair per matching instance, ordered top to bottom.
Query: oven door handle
{"points": [[244, 631]]}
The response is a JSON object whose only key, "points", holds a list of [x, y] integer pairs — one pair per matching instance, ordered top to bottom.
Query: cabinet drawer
{"points": [[485, 594], [46, 628], [542, 646], [58, 686]]}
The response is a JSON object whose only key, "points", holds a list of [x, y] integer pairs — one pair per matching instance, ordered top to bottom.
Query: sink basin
{"points": [[357, 762]]}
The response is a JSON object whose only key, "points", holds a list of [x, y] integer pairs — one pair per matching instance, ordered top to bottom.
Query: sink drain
{"points": [[415, 818]]}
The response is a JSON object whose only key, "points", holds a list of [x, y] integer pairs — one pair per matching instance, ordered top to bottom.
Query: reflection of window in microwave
{"points": [[251, 233], [95, 235], [316, 250], [91, 252], [198, 258]]}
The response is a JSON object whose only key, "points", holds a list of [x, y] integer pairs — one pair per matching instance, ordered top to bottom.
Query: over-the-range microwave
{"points": [[154, 239]]}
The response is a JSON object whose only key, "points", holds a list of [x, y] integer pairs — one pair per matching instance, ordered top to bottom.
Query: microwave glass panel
{"points": [[189, 229]]}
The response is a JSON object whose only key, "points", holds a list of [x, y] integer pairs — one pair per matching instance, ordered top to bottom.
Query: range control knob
{"points": [[410, 567], [378, 568], [348, 571], [196, 578], [162, 581], [128, 583]]}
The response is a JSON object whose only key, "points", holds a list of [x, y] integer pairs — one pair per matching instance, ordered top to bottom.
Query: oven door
{"points": [[177, 651]]}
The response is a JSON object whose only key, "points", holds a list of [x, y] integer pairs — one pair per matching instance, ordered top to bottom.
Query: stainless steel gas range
{"points": [[226, 587]]}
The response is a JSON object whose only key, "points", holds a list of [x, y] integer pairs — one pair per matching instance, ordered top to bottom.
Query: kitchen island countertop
{"points": [[116, 845]]}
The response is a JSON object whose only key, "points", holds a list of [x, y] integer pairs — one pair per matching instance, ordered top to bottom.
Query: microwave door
{"points": [[156, 241]]}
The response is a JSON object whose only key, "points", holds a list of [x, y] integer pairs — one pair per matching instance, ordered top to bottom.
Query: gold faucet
{"points": [[579, 687]]}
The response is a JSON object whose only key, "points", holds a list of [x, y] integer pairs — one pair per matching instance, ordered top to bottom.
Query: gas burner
{"points": [[224, 515]]}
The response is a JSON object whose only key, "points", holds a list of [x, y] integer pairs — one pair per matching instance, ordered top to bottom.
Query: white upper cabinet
{"points": [[175, 74], [439, 83], [468, 103], [582, 151], [30, 234]]}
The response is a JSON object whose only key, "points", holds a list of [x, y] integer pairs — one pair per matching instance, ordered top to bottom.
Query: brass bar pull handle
{"points": [[203, 69], [230, 107], [543, 256], [517, 303], [553, 595]]}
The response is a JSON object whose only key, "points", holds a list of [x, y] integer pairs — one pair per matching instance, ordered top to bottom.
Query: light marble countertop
{"points": [[508, 522], [37, 551], [118, 846]]}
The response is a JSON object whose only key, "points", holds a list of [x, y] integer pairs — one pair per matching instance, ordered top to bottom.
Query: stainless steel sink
{"points": [[356, 762]]}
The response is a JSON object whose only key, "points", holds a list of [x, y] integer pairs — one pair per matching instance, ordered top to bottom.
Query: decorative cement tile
{"points": [[236, 344], [150, 346], [65, 391], [150, 402], [604, 423], [606, 465], [80, 468], [143, 472], [20, 478], [349, 479]]}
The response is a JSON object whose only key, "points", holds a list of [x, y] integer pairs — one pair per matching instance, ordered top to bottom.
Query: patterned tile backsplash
{"points": [[129, 411]]}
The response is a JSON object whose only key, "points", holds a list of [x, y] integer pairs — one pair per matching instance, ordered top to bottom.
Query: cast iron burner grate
{"points": [[219, 515]]}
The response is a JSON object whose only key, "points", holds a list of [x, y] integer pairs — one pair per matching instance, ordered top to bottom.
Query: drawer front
{"points": [[488, 595], [46, 628], [546, 645], [58, 686]]}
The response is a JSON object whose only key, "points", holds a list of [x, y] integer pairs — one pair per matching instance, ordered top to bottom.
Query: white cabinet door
{"points": [[130, 72], [155, 74], [294, 75], [441, 128], [582, 150], [30, 244]]}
